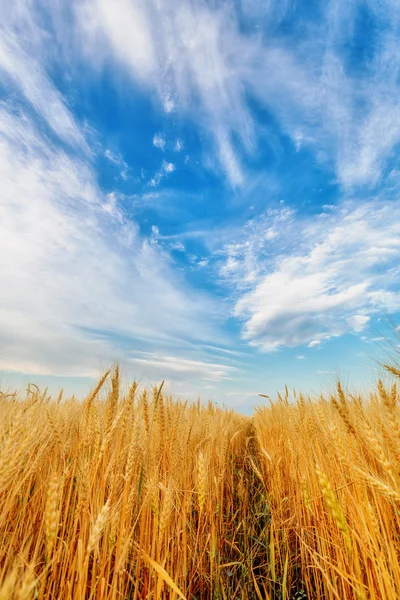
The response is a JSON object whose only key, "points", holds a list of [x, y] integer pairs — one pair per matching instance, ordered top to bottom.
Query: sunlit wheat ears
{"points": [[394, 370], [201, 481], [333, 505], [52, 513], [98, 527]]}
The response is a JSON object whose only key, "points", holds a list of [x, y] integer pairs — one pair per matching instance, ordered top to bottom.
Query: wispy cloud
{"points": [[187, 53], [202, 61], [205, 61], [26, 72], [347, 113], [178, 145], [118, 160], [166, 169], [74, 265], [341, 269], [178, 366]]}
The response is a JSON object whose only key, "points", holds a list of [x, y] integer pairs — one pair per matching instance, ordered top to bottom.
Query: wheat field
{"points": [[131, 494]]}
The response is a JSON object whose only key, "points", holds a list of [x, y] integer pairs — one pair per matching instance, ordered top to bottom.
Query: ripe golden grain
{"points": [[201, 481], [136, 496], [333, 505], [52, 513], [98, 527]]}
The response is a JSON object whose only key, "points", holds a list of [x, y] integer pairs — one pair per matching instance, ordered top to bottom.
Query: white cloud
{"points": [[127, 29], [189, 53], [198, 59], [27, 73], [167, 102], [348, 115], [159, 141], [178, 145], [118, 160], [166, 169], [178, 246], [245, 259], [203, 262], [340, 270], [80, 278], [358, 322], [314, 344], [218, 349], [160, 366]]}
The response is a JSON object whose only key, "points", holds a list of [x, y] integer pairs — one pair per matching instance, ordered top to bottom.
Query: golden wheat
{"points": [[139, 496]]}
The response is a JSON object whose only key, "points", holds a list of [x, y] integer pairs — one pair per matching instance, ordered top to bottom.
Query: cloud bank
{"points": [[338, 270]]}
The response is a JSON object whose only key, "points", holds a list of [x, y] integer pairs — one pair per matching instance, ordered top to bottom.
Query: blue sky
{"points": [[204, 191]]}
